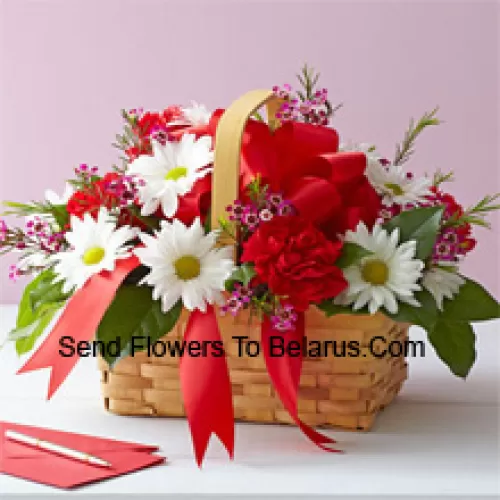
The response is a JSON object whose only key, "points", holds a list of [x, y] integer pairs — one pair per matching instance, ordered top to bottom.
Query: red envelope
{"points": [[44, 467]]}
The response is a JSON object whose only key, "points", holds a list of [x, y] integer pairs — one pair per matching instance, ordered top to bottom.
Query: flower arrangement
{"points": [[318, 223]]}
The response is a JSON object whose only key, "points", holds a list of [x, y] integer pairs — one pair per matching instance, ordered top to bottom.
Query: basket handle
{"points": [[226, 173]]}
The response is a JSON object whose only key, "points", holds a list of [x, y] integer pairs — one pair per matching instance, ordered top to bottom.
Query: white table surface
{"points": [[440, 437]]}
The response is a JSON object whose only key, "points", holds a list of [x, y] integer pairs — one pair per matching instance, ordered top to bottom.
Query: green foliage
{"points": [[308, 79], [405, 149], [439, 178], [257, 191], [58, 212], [476, 215], [150, 221], [420, 224], [207, 225], [227, 228], [351, 253], [243, 274], [40, 301], [472, 303], [134, 313], [425, 316], [449, 331], [26, 337], [454, 343]]}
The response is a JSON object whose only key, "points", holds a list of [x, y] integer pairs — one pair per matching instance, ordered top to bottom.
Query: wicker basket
{"points": [[334, 391]]}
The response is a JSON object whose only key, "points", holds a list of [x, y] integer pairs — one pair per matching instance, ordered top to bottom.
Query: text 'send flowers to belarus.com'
{"points": [[378, 346]]}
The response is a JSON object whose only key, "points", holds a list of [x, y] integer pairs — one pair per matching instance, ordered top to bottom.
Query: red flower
{"points": [[151, 122], [168, 124], [101, 194], [95, 196], [453, 210], [296, 260]]}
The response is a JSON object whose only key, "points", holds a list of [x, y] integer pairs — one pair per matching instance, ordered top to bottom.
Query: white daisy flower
{"points": [[197, 114], [361, 147], [372, 156], [171, 172], [394, 185], [54, 199], [95, 245], [185, 265], [389, 274], [442, 283]]}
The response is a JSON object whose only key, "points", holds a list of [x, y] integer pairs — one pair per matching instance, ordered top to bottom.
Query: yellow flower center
{"points": [[176, 173], [395, 188], [93, 256], [187, 267], [375, 272]]}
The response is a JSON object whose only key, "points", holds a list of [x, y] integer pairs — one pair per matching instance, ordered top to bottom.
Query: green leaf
{"points": [[60, 214], [420, 224], [207, 226], [351, 253], [243, 274], [46, 292], [40, 301], [472, 303], [330, 309], [25, 311], [134, 313], [425, 316], [26, 337], [454, 343]]}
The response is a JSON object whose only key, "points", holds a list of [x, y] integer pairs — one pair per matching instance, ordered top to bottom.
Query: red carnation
{"points": [[170, 124], [101, 193], [97, 195], [296, 260]]}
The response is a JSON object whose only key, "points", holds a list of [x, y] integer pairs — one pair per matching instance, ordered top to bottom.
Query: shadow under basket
{"points": [[335, 390]]}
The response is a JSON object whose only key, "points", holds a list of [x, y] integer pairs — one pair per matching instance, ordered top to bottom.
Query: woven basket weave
{"points": [[334, 391]]}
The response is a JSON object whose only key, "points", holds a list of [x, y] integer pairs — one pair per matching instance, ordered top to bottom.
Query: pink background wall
{"points": [[68, 66]]}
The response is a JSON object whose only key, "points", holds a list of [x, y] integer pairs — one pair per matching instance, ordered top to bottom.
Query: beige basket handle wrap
{"points": [[225, 177]]}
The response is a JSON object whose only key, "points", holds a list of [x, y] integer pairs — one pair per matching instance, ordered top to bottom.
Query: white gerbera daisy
{"points": [[197, 114], [361, 147], [372, 156], [171, 172], [395, 186], [54, 199], [95, 245], [185, 265], [390, 273], [442, 283]]}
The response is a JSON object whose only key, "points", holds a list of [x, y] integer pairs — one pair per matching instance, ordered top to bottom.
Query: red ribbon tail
{"points": [[79, 321], [284, 372], [206, 386]]}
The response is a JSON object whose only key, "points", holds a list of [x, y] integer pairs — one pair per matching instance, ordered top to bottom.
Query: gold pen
{"points": [[56, 448]]}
